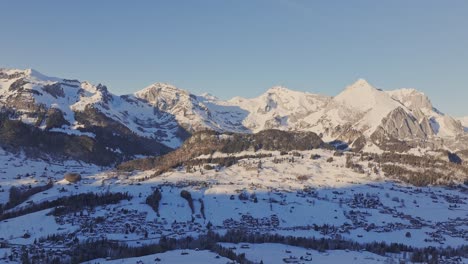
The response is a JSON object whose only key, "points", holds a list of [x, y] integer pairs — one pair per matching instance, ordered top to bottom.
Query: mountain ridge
{"points": [[359, 110], [166, 114], [86, 119]]}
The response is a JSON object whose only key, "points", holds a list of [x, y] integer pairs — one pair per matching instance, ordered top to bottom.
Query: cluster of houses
{"points": [[250, 222], [130, 224]]}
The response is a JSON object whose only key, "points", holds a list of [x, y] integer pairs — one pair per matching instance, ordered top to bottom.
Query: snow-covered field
{"points": [[17, 169], [290, 195], [278, 254], [175, 256]]}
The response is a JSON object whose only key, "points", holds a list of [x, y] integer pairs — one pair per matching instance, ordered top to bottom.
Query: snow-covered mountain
{"points": [[30, 92], [365, 105], [75, 108], [278, 108], [361, 110], [194, 112], [361, 115], [464, 121], [442, 125], [246, 189], [219, 196]]}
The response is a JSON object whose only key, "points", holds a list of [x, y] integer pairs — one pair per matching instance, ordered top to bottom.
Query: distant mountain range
{"points": [[360, 110], [88, 118]]}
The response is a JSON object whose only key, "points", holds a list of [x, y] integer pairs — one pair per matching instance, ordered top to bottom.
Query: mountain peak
{"points": [[15, 72], [31, 74], [361, 84], [162, 85], [158, 88], [278, 88], [283, 91], [358, 91], [209, 96], [411, 98], [373, 103]]}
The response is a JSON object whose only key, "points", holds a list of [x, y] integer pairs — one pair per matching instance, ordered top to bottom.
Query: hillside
{"points": [[360, 114], [71, 118], [76, 119], [209, 142], [162, 175], [314, 198]]}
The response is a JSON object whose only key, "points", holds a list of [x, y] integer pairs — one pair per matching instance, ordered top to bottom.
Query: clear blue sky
{"points": [[243, 47]]}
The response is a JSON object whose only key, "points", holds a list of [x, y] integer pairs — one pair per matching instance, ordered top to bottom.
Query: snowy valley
{"points": [[165, 176]]}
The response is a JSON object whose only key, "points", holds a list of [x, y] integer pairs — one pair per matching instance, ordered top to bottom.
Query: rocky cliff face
{"points": [[402, 125]]}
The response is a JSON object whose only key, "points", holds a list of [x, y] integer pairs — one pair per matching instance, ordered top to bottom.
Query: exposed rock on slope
{"points": [[412, 99], [280, 108], [361, 110], [193, 112], [61, 113], [361, 116], [402, 125]]}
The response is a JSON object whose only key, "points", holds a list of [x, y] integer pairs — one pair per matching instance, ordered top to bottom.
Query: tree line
{"points": [[70, 204], [92, 249]]}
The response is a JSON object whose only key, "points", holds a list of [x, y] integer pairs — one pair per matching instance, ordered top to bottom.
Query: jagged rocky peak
{"points": [[8, 73], [11, 73], [33, 82], [160, 88], [279, 89], [275, 91], [282, 91], [164, 95], [291, 96], [412, 98], [279, 107], [402, 125]]}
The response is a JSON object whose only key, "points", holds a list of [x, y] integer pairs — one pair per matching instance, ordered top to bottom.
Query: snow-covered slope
{"points": [[33, 96], [411, 98], [365, 101], [278, 108], [160, 110], [359, 110], [194, 112], [355, 112], [78, 120], [464, 121], [442, 125], [312, 194]]}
